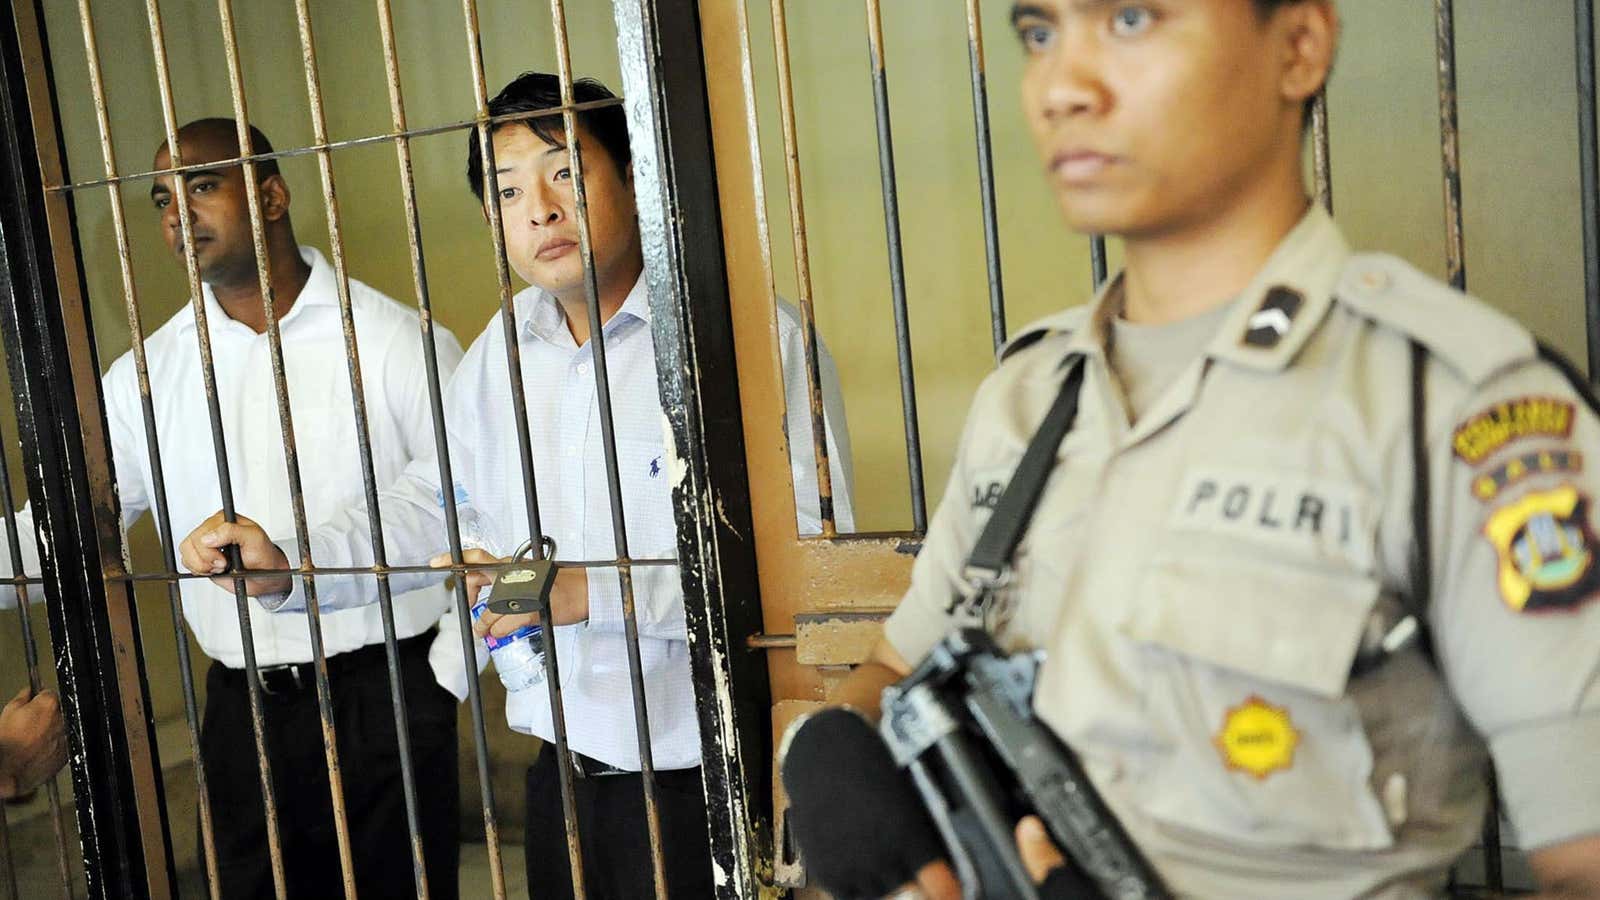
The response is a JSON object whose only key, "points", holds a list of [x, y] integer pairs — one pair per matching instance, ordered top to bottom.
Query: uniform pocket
{"points": [[1246, 666]]}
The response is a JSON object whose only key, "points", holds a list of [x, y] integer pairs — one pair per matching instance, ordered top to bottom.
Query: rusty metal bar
{"points": [[980, 123], [1449, 141], [402, 146], [312, 148], [1321, 166], [1589, 178], [180, 195], [802, 252], [1097, 260], [1455, 267], [897, 268], [808, 329], [358, 402], [519, 411], [608, 437], [158, 475], [458, 568], [772, 642], [30, 654], [330, 742]]}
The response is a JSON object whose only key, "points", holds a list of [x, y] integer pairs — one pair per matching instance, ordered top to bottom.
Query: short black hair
{"points": [[535, 91], [228, 130]]}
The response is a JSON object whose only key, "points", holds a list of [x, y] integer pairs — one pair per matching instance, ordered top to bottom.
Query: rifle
{"points": [[963, 724]]}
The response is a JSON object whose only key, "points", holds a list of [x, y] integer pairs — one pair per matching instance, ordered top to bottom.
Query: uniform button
{"points": [[1374, 280], [583, 368], [1395, 797]]}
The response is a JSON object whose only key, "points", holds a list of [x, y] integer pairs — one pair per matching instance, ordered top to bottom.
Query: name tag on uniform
{"points": [[1304, 515]]}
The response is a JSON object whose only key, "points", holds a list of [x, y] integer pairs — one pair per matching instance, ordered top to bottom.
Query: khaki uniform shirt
{"points": [[1201, 580]]}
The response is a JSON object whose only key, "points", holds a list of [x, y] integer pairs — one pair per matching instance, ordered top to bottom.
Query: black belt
{"points": [[296, 678], [589, 767]]}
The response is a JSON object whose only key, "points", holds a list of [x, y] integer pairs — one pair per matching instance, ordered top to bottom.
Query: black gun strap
{"points": [[1421, 515], [992, 553]]}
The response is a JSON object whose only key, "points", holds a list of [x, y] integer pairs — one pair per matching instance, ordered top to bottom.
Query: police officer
{"points": [[1321, 539]]}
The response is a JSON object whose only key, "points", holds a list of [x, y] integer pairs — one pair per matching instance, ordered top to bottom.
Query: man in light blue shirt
{"points": [[536, 204]]}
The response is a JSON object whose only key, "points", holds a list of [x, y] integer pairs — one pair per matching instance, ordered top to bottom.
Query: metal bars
{"points": [[308, 55], [980, 124], [247, 159], [1321, 165], [1589, 177], [408, 190], [491, 191], [180, 196], [802, 261], [1455, 267], [897, 269], [602, 383], [158, 488], [93, 629], [30, 654]]}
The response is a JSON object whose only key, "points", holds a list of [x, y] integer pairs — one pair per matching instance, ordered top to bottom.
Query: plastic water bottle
{"points": [[518, 657]]}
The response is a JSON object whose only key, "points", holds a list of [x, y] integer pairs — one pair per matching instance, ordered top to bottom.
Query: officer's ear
{"points": [[1307, 33]]}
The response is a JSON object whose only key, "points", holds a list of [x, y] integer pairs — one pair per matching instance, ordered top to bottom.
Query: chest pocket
{"points": [[646, 495], [1246, 665]]}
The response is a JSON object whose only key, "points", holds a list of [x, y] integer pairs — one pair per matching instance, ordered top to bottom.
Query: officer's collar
{"points": [[1283, 305], [1273, 317]]}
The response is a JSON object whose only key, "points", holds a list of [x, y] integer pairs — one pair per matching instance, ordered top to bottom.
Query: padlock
{"points": [[524, 588]]}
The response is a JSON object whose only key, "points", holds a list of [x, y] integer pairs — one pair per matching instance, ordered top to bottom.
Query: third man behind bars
{"points": [[536, 201]]}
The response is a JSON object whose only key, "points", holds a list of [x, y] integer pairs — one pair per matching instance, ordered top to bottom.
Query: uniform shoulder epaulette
{"points": [[1066, 321], [1468, 336]]}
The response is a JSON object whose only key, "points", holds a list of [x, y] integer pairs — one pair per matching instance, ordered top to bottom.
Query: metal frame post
{"points": [[663, 77], [44, 320]]}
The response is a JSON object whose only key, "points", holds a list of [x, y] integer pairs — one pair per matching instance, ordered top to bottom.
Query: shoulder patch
{"points": [[1065, 322], [1468, 336], [1546, 551]]}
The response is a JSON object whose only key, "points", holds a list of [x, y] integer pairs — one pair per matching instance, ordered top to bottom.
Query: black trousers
{"points": [[369, 761], [613, 834]]}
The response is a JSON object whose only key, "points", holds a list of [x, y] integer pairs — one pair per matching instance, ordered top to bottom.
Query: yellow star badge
{"points": [[1257, 738]]}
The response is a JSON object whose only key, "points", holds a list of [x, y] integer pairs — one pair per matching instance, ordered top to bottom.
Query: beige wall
{"points": [[1518, 148]]}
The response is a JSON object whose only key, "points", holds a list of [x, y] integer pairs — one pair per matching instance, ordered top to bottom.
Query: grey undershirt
{"points": [[1147, 359]]}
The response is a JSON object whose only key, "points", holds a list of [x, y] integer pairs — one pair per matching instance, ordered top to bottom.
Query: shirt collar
{"points": [[320, 290], [1286, 301], [539, 314], [1273, 317]]}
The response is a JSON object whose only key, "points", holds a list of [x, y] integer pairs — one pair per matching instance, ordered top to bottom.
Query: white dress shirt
{"points": [[401, 428], [575, 510]]}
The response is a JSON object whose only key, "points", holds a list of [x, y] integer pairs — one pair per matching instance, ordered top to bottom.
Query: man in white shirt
{"points": [[541, 231], [307, 308]]}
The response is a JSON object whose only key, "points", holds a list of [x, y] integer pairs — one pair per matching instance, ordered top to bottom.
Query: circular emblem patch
{"points": [[1545, 550], [1257, 738]]}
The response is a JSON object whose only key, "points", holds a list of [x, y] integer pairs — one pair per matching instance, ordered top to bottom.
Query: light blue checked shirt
{"points": [[575, 509]]}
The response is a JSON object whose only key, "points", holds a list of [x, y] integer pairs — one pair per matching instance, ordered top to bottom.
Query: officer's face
{"points": [[1157, 116], [539, 211]]}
